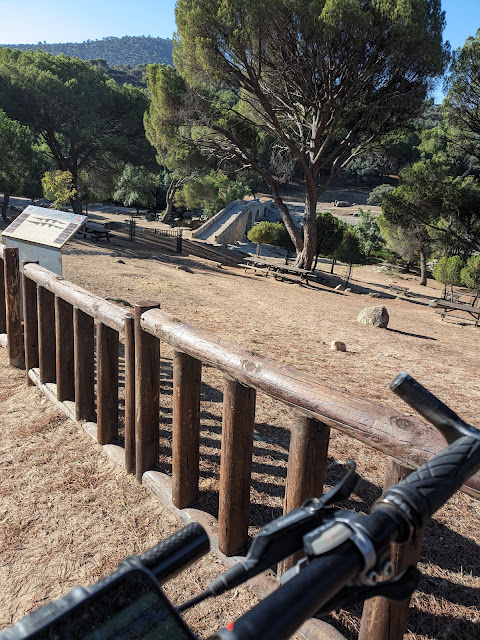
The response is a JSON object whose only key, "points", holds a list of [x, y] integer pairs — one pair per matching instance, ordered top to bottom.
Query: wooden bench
{"points": [[255, 268], [290, 278], [397, 289], [451, 310]]}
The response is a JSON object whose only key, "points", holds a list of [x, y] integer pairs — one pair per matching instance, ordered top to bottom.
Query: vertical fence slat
{"points": [[3, 307], [12, 307], [30, 324], [46, 334], [64, 352], [84, 359], [187, 379], [107, 384], [147, 392], [129, 393], [307, 463], [236, 466], [384, 619]]}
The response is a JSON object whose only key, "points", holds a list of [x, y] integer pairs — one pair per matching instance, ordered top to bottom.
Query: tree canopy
{"points": [[322, 79], [87, 121], [16, 155]]}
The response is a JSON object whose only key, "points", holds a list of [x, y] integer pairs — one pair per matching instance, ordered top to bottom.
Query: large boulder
{"points": [[376, 316]]}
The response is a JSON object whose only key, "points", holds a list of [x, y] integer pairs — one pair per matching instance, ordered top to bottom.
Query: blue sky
{"points": [[31, 21]]}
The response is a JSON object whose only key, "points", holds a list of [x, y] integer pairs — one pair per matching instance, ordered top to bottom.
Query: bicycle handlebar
{"points": [[398, 516], [345, 551]]}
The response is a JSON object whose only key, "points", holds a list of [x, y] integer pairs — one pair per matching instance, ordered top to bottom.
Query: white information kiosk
{"points": [[40, 234]]}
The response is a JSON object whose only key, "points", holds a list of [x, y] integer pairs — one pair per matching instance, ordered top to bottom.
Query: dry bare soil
{"points": [[68, 516]]}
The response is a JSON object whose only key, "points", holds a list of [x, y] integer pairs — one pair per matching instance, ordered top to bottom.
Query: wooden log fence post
{"points": [[3, 301], [13, 323], [30, 323], [46, 334], [64, 350], [84, 359], [187, 380], [107, 384], [129, 392], [147, 394], [307, 463], [236, 466], [385, 619]]}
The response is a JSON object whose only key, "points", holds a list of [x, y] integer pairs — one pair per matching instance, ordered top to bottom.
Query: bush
{"points": [[378, 194], [448, 272], [470, 275]]}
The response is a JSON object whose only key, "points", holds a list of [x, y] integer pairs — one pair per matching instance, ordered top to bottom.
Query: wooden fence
{"points": [[68, 330]]}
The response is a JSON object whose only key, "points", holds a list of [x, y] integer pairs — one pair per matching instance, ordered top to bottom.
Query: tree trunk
{"points": [[172, 189], [6, 198], [76, 205], [290, 226], [305, 258], [423, 269], [349, 273]]}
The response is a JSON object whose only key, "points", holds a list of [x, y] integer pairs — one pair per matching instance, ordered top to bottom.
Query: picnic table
{"points": [[95, 231], [279, 271], [452, 309]]}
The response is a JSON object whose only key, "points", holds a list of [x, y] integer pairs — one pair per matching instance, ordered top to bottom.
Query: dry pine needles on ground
{"points": [[83, 516]]}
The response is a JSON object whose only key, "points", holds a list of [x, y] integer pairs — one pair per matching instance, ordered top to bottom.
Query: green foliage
{"points": [[129, 50], [365, 68], [136, 76], [462, 104], [88, 122], [16, 153], [58, 186], [136, 187], [211, 193], [377, 194], [431, 196], [330, 231], [266, 233], [368, 233], [283, 239], [407, 241], [350, 250], [448, 272], [470, 274]]}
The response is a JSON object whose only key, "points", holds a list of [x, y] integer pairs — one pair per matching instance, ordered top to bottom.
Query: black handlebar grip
{"points": [[429, 487], [171, 556]]}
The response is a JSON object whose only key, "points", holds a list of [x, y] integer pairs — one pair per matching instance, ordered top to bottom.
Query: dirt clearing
{"points": [[68, 515]]}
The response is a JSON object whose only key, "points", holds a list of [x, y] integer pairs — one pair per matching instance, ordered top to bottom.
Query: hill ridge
{"points": [[125, 50]]}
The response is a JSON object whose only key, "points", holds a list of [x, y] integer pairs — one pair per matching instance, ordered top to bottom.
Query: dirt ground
{"points": [[57, 534]]}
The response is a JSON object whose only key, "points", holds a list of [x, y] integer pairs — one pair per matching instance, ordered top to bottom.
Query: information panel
{"points": [[47, 227]]}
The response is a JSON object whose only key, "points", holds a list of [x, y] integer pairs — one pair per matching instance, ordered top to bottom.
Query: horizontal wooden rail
{"points": [[108, 313], [410, 441]]}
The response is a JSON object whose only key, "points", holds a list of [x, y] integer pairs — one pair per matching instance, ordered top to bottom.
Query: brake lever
{"points": [[431, 408], [284, 536]]}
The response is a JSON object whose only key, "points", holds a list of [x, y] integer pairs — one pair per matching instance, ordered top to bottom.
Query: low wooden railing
{"points": [[10, 322], [67, 330]]}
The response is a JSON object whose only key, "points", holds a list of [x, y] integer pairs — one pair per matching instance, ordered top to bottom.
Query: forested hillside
{"points": [[129, 50]]}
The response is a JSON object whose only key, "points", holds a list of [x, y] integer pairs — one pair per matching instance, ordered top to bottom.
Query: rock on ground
{"points": [[376, 316]]}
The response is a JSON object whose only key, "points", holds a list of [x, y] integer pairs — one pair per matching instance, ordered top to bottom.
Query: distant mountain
{"points": [[129, 50]]}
